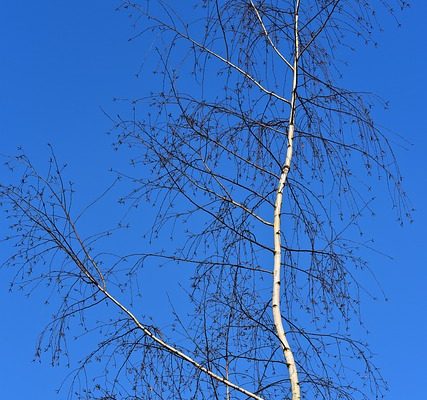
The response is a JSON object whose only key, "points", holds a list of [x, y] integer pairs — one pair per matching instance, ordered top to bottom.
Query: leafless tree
{"points": [[259, 166]]}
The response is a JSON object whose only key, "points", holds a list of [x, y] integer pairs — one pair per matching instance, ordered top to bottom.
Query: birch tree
{"points": [[259, 166]]}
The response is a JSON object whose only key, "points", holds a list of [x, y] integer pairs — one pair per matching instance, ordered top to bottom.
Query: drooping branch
{"points": [[29, 204]]}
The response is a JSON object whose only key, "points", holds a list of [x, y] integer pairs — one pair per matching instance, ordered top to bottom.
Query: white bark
{"points": [[276, 297]]}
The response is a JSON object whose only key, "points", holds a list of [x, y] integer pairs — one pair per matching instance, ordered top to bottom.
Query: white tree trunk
{"points": [[276, 297]]}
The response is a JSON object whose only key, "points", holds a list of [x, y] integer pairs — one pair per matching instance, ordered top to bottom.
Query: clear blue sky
{"points": [[62, 61]]}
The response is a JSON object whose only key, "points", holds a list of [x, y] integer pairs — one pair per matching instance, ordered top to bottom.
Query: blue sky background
{"points": [[64, 61]]}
